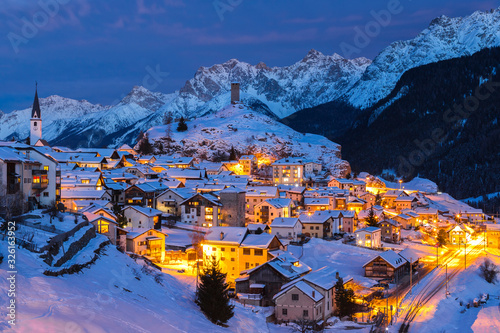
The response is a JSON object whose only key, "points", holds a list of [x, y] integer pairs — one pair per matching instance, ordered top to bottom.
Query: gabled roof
{"points": [[318, 201], [278, 202], [149, 212], [284, 222], [392, 222], [256, 226], [368, 229], [135, 234], [230, 235], [262, 241], [408, 254], [391, 257], [311, 292]]}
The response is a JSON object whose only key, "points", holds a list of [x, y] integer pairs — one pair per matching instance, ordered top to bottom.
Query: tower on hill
{"points": [[235, 92]]}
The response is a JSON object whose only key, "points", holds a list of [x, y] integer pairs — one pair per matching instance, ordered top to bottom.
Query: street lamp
{"points": [[400, 182]]}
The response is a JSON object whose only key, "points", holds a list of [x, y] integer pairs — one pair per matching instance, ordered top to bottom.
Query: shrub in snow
{"points": [[489, 271]]}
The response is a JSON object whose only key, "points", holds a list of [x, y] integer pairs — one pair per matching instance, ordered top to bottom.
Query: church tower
{"points": [[36, 120]]}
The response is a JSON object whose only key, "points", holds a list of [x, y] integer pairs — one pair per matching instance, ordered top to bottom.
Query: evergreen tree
{"points": [[167, 120], [182, 126], [145, 146], [232, 154], [378, 199], [371, 219], [442, 237], [212, 296], [344, 299]]}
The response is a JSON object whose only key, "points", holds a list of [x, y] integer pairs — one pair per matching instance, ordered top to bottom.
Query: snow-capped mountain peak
{"points": [[445, 38]]}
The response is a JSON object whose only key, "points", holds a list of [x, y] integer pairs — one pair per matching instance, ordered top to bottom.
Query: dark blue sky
{"points": [[99, 49]]}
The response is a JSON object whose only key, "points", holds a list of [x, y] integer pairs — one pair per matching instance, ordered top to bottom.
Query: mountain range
{"points": [[339, 98]]}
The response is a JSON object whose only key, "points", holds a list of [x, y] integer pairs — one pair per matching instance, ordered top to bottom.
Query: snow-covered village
{"points": [[334, 193]]}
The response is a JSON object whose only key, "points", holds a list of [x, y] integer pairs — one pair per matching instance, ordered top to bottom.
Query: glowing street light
{"points": [[400, 183]]}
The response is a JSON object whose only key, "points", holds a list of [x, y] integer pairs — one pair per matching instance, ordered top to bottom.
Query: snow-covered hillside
{"points": [[445, 38], [250, 132], [113, 295]]}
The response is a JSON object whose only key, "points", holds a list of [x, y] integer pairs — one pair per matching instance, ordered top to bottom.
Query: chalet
{"points": [[127, 149], [182, 174], [353, 186], [295, 193], [255, 195], [390, 196], [68, 197], [369, 198], [169, 201], [405, 202], [314, 204], [355, 204], [269, 209], [203, 210], [427, 215], [474, 216], [142, 217], [348, 221], [406, 221], [320, 224], [286, 227], [109, 228], [390, 231], [459, 234], [493, 236], [368, 237], [149, 243], [238, 250], [386, 266], [257, 286], [310, 297]]}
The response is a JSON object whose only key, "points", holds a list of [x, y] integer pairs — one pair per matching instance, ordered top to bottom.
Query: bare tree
{"points": [[12, 204], [489, 271]]}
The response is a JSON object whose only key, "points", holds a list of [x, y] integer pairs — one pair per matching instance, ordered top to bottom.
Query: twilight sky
{"points": [[99, 49]]}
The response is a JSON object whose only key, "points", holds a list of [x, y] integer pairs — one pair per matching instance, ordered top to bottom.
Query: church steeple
{"points": [[35, 112], [36, 120]]}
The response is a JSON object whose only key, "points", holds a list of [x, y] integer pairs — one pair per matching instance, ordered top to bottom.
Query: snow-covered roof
{"points": [[261, 191], [82, 194], [316, 201], [279, 202], [149, 212], [319, 216], [284, 222], [256, 226], [367, 229], [231, 235], [261, 241], [408, 254], [391, 257], [313, 293]]}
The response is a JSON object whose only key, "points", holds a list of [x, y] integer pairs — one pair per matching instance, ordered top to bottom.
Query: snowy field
{"points": [[465, 287]]}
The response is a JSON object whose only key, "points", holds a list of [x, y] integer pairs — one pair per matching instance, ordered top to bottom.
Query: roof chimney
{"points": [[221, 235], [313, 294]]}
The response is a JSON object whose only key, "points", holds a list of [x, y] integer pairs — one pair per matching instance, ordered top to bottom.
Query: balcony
{"points": [[39, 179]]}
